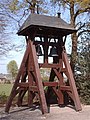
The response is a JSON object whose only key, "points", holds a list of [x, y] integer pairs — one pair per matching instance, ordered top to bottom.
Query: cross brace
{"points": [[30, 68]]}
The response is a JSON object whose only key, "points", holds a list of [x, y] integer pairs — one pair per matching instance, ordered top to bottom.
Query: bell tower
{"points": [[52, 33]]}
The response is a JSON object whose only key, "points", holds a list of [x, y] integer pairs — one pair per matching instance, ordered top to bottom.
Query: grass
{"points": [[5, 89]]}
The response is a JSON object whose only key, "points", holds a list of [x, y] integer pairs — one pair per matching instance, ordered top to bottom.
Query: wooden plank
{"points": [[45, 48], [44, 65], [30, 69], [62, 70], [38, 77], [60, 77], [71, 82], [23, 84], [50, 84], [23, 88], [33, 88], [65, 88], [49, 90], [12, 94], [21, 94], [70, 94], [59, 95]]}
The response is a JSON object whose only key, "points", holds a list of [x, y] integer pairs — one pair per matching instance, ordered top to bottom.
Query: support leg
{"points": [[38, 78], [72, 82], [14, 89]]}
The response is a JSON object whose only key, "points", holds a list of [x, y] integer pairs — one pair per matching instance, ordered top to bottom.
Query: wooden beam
{"points": [[44, 65], [30, 69], [38, 77], [60, 77], [71, 82], [23, 84], [50, 84], [33, 88], [65, 88], [12, 94], [21, 94], [59, 95], [71, 95]]}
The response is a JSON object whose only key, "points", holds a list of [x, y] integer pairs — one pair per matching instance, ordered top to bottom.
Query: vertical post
{"points": [[45, 50], [60, 75], [38, 78], [30, 79]]}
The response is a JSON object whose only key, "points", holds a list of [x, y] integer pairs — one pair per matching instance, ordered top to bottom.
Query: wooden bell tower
{"points": [[52, 32]]}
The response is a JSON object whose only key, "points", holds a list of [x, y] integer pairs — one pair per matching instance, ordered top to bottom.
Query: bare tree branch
{"points": [[29, 2], [79, 11], [81, 26], [83, 31]]}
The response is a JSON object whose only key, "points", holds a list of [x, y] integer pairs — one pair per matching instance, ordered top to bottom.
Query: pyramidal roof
{"points": [[45, 21]]}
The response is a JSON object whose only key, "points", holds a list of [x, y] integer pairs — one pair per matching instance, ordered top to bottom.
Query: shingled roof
{"points": [[45, 22]]}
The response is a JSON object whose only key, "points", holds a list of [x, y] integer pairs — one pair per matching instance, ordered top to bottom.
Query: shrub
{"points": [[83, 85], [3, 98]]}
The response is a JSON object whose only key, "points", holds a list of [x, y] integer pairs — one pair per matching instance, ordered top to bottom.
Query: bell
{"points": [[38, 50], [53, 52]]}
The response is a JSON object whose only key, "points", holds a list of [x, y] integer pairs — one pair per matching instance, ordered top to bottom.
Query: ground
{"points": [[56, 113]]}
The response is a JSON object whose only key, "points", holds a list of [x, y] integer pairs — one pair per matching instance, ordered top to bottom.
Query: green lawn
{"points": [[5, 88]]}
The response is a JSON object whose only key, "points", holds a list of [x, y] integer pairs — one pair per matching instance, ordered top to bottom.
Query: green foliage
{"points": [[80, 2], [83, 3], [14, 5], [26, 5], [83, 59], [83, 66], [12, 68], [45, 73], [83, 85], [5, 88], [3, 98]]}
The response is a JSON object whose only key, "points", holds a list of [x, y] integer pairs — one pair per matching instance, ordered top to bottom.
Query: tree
{"points": [[76, 8], [19, 9], [13, 13], [5, 44], [84, 54], [80, 56], [83, 66], [12, 68]]}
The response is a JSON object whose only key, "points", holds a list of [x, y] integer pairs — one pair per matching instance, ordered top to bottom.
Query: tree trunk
{"points": [[74, 39], [74, 51]]}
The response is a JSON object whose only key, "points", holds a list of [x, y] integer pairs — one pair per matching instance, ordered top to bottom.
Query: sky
{"points": [[12, 55], [17, 56], [5, 60]]}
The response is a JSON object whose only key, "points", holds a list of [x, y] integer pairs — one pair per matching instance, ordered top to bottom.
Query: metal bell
{"points": [[38, 50], [53, 52]]}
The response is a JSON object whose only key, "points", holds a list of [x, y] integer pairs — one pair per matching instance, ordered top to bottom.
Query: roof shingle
{"points": [[45, 21]]}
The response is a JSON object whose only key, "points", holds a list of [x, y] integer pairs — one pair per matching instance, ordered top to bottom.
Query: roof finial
{"points": [[38, 6], [59, 14]]}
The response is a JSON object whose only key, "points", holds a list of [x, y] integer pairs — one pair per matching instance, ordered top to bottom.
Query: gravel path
{"points": [[56, 113]]}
